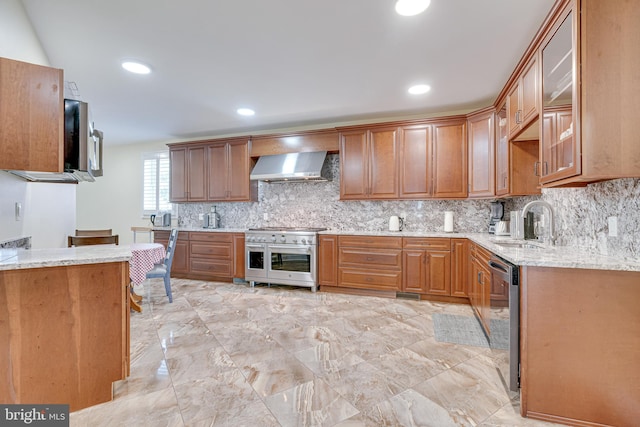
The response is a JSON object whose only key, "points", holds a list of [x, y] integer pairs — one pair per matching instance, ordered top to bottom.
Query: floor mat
{"points": [[466, 330]]}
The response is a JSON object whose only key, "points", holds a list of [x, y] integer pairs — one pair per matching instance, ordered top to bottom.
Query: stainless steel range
{"points": [[282, 255]]}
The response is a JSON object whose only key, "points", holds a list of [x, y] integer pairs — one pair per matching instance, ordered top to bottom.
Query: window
{"points": [[155, 192]]}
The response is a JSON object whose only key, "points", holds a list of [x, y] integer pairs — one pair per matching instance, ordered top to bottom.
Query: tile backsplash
{"points": [[317, 204], [581, 213]]}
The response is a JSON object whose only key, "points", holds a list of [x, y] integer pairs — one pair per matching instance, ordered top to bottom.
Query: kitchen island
{"points": [[64, 324]]}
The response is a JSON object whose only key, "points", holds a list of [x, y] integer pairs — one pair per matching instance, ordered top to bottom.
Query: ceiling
{"points": [[297, 63]]}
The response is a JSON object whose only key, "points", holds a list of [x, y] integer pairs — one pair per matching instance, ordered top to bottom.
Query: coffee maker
{"points": [[497, 213]]}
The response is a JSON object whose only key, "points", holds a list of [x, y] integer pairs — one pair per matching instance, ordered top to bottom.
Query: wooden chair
{"points": [[91, 233], [92, 237]]}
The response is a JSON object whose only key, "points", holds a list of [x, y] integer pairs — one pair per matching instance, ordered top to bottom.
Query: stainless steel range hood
{"points": [[290, 167]]}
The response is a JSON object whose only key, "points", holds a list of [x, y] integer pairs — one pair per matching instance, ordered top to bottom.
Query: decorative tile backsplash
{"points": [[317, 204], [581, 214]]}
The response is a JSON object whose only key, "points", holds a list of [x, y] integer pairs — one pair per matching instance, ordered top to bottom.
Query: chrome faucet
{"points": [[528, 206]]}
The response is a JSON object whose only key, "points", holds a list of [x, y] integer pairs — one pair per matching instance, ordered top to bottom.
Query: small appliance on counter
{"points": [[497, 213], [161, 219], [212, 220], [395, 223], [502, 228]]}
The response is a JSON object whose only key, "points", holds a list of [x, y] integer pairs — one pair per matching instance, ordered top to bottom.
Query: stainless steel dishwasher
{"points": [[505, 274]]}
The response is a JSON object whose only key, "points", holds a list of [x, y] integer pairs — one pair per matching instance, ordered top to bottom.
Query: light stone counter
{"points": [[206, 230], [550, 256], [14, 259]]}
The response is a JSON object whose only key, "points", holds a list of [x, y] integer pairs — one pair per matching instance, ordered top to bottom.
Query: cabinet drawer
{"points": [[162, 236], [211, 237], [371, 242], [441, 244], [220, 251], [483, 256], [374, 258], [211, 268], [367, 279]]}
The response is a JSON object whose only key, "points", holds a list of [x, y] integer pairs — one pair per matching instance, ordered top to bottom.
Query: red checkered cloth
{"points": [[143, 257]]}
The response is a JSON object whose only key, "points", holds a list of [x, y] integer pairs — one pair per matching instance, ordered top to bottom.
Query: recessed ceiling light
{"points": [[411, 7], [136, 67], [419, 89], [245, 111]]}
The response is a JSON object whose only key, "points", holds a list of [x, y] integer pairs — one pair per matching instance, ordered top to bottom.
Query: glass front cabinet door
{"points": [[560, 155]]}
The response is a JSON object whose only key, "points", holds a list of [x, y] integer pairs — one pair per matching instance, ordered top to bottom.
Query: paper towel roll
{"points": [[448, 222]]}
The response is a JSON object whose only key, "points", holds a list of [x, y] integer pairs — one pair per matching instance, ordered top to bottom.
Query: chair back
{"points": [[84, 233], [91, 240], [168, 259]]}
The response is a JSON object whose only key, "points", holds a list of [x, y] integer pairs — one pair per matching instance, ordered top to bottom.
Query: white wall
{"points": [[115, 199], [49, 210]]}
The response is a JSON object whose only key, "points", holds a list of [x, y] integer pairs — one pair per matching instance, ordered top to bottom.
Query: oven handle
{"points": [[254, 246], [292, 250]]}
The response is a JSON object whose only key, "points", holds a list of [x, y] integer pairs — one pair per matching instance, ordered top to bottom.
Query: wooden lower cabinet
{"points": [[206, 255], [211, 255], [238, 256], [327, 260], [373, 263], [180, 265], [427, 266], [459, 267], [480, 283], [65, 334], [580, 347]]}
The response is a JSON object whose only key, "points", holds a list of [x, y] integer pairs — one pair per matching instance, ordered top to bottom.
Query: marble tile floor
{"points": [[226, 354]]}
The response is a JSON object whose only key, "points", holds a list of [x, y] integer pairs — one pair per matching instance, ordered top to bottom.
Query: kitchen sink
{"points": [[519, 245]]}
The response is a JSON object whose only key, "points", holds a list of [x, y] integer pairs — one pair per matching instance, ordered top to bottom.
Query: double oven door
{"points": [[286, 264]]}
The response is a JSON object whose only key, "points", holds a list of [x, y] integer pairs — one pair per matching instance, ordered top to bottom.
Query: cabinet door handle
{"points": [[518, 118], [535, 168], [546, 168], [480, 277]]}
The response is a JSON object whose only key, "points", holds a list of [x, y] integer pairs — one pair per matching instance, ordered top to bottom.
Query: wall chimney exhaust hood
{"points": [[292, 167]]}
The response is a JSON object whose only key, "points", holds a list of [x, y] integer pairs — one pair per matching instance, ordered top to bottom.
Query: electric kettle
{"points": [[395, 223]]}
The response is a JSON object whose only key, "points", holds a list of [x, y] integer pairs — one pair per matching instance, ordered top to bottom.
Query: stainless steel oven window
{"points": [[256, 260], [300, 263]]}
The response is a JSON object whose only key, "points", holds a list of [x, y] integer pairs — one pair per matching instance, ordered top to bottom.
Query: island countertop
{"points": [[14, 259]]}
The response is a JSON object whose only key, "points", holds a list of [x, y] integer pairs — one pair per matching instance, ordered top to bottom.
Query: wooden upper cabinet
{"points": [[523, 99], [32, 119], [481, 155], [368, 159], [450, 160], [415, 162], [229, 166], [217, 169], [211, 172], [178, 176], [502, 176], [354, 181], [187, 182], [196, 182], [238, 183]]}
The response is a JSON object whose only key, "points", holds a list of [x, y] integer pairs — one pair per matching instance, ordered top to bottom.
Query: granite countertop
{"points": [[205, 230], [548, 256], [551, 256], [14, 259]]}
